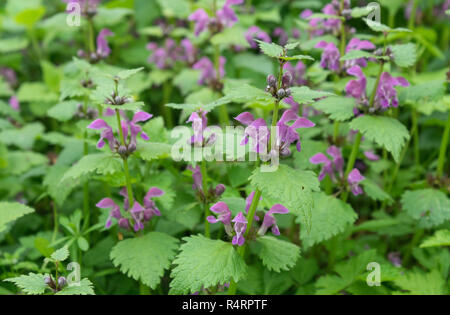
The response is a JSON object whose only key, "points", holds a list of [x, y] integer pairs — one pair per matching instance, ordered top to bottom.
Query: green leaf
{"points": [[175, 8], [358, 12], [325, 16], [30, 17], [379, 27], [231, 36], [12, 44], [270, 49], [357, 54], [404, 55], [297, 57], [126, 74], [36, 92], [305, 95], [132, 106], [339, 108], [63, 111], [385, 131], [24, 137], [153, 150], [99, 163], [292, 188], [59, 191], [375, 192], [430, 207], [11, 211], [330, 216], [440, 238], [60, 254], [277, 254], [145, 258], [204, 263], [419, 283], [30, 284], [85, 287]]}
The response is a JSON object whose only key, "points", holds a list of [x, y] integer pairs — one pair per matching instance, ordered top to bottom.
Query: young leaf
{"points": [[270, 49], [404, 55], [126, 74], [304, 94], [339, 108], [385, 131], [153, 150], [292, 188], [430, 207], [330, 216], [440, 238], [60, 254], [277, 254], [145, 258], [204, 263], [32, 283], [85, 287]]}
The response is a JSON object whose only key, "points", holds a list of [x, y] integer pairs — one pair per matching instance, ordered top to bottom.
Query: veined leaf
{"points": [[339, 108], [11, 211], [440, 238], [277, 254]]}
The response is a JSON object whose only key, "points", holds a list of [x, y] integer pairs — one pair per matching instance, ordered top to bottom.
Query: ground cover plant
{"points": [[224, 147]]}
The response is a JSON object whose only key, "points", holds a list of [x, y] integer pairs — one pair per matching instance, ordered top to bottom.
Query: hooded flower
{"points": [[201, 19], [315, 25], [254, 32], [282, 36], [357, 44], [103, 49], [330, 56], [208, 72], [297, 72], [357, 88], [386, 93], [14, 103], [199, 123], [256, 130], [107, 133], [288, 133], [371, 156], [330, 166], [197, 178], [354, 178], [108, 203], [224, 216], [269, 220], [240, 225]]}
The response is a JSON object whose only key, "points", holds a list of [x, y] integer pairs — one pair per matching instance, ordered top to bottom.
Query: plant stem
{"points": [[167, 90], [223, 111], [336, 132], [416, 136], [443, 150], [125, 163], [205, 201], [86, 209], [55, 222], [416, 238]]}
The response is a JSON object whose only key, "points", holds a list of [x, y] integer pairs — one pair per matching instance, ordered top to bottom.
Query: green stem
{"points": [[412, 18], [90, 36], [167, 91], [336, 131], [416, 136], [443, 150], [351, 161], [125, 163], [205, 201], [86, 208], [55, 222], [415, 240]]}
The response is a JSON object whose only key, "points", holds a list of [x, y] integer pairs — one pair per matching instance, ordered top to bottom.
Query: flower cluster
{"points": [[225, 17], [254, 32], [103, 50], [165, 57], [208, 74], [279, 92], [386, 94], [200, 129], [130, 131], [258, 131], [336, 165], [139, 214], [237, 230], [55, 286]]}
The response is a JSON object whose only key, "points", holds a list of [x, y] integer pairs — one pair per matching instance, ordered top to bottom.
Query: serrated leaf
{"points": [[270, 49], [404, 55], [126, 74], [304, 94], [132, 106], [339, 108], [63, 111], [385, 131], [24, 137], [153, 150], [99, 163], [292, 188], [375, 192], [430, 207], [11, 211], [330, 216], [440, 238], [60, 254], [277, 254], [145, 258], [204, 263], [32, 283], [419, 283], [85, 287]]}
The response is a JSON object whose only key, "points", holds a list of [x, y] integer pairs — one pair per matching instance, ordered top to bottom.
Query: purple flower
{"points": [[226, 15], [201, 19], [315, 25], [332, 25], [254, 32], [282, 36], [357, 44], [103, 49], [189, 53], [330, 56], [208, 72], [297, 72], [9, 75], [357, 88], [386, 93], [14, 103], [199, 123], [256, 130], [107, 133], [288, 133], [371, 156], [330, 166], [197, 178], [354, 178], [107, 203], [150, 206], [137, 213], [224, 216], [269, 220], [240, 225], [395, 258]]}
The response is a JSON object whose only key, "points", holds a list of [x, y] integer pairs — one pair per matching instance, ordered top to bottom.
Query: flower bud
{"points": [[287, 79], [271, 80], [288, 92], [281, 93], [131, 147], [122, 150], [220, 189], [123, 223], [48, 281], [62, 282]]}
